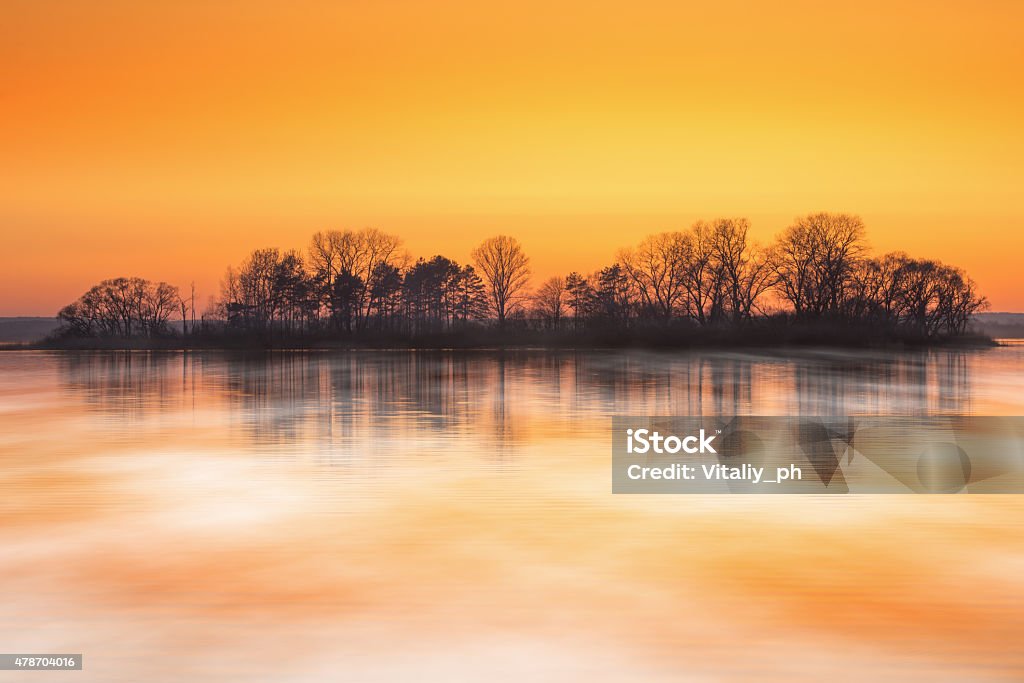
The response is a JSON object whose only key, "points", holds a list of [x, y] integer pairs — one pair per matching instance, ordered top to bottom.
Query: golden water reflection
{"points": [[447, 516]]}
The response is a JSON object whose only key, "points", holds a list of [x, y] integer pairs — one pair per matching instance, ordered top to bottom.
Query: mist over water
{"points": [[428, 515]]}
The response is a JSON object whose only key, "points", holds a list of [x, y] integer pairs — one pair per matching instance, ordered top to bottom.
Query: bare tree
{"points": [[356, 254], [815, 260], [657, 266], [740, 268], [506, 269], [711, 273], [257, 279], [700, 280], [933, 299], [550, 301], [122, 307], [184, 316]]}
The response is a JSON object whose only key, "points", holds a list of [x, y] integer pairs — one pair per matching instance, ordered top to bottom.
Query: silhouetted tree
{"points": [[356, 253], [814, 262], [658, 267], [506, 269], [741, 270], [701, 280], [354, 281], [578, 289], [428, 292], [385, 294], [294, 295], [470, 296], [612, 298], [344, 300], [549, 301], [121, 307]]}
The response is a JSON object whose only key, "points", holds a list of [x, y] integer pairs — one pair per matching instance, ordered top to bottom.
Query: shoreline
{"points": [[968, 343]]}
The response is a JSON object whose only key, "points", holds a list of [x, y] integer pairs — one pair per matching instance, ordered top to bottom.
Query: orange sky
{"points": [[168, 139]]}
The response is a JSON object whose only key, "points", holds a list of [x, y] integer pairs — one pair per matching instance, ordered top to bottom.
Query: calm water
{"points": [[379, 516]]}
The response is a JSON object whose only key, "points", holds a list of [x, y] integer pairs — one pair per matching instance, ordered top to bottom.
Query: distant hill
{"points": [[1000, 325], [26, 329]]}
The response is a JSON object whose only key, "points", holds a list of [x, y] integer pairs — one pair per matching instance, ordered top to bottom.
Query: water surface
{"points": [[378, 516]]}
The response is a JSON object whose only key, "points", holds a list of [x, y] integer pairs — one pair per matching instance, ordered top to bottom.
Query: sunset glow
{"points": [[167, 140]]}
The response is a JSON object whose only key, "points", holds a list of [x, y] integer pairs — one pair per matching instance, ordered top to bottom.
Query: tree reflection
{"points": [[375, 403]]}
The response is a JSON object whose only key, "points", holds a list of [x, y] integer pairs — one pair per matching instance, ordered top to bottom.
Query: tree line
{"points": [[361, 284]]}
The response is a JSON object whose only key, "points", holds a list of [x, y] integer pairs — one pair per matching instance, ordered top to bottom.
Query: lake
{"points": [[395, 516]]}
